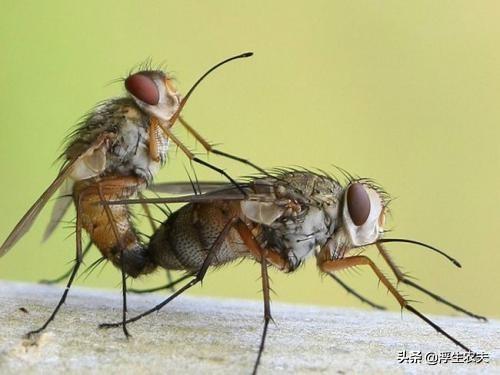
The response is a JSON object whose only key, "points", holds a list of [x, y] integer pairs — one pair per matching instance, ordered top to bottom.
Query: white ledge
{"points": [[194, 335]]}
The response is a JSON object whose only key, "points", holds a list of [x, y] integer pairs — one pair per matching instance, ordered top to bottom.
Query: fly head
{"points": [[154, 92]]}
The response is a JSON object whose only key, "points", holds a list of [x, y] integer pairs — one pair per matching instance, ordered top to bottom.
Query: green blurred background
{"points": [[404, 92]]}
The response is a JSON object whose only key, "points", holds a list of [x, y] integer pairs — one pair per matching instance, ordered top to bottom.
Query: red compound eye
{"points": [[143, 88], [358, 203]]}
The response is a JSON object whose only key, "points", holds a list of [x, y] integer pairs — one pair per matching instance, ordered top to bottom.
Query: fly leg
{"points": [[165, 126], [209, 148], [190, 155], [109, 214], [256, 250], [262, 255], [78, 261], [330, 266], [400, 276], [197, 278], [170, 285], [356, 294], [267, 311]]}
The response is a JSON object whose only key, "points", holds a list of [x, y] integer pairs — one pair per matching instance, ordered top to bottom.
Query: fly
{"points": [[115, 153], [283, 221]]}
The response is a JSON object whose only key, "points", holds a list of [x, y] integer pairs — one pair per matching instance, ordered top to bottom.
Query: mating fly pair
{"points": [[114, 153], [278, 220]]}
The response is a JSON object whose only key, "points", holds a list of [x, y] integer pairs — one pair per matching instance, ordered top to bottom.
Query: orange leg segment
{"points": [[154, 133], [168, 133], [196, 135], [209, 148], [191, 156], [253, 246], [359, 260], [330, 266]]}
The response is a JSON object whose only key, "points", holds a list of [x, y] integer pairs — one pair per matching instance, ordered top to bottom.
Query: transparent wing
{"points": [[186, 188], [230, 194], [60, 208], [29, 217]]}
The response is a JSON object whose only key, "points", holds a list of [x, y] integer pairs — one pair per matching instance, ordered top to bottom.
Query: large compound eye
{"points": [[143, 88], [358, 203]]}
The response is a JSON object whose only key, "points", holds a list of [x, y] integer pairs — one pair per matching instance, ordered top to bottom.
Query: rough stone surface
{"points": [[203, 335]]}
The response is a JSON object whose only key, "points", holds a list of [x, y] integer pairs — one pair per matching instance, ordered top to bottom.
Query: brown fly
{"points": [[114, 153], [283, 221]]}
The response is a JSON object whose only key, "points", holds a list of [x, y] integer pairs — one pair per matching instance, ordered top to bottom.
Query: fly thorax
{"points": [[130, 152], [302, 235]]}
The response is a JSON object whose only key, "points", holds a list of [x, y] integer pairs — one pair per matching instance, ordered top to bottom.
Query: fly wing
{"points": [[68, 169], [259, 185], [186, 188], [229, 193], [197, 198], [60, 208], [29, 217]]}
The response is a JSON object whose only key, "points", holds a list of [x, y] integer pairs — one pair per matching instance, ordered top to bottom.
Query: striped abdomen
{"points": [[183, 240]]}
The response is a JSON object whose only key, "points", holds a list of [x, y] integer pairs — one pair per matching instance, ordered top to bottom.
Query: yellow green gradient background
{"points": [[406, 93]]}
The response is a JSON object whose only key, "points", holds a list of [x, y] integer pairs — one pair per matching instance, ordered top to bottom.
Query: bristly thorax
{"points": [[128, 153]]}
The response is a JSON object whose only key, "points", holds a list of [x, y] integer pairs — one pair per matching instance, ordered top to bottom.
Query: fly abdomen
{"points": [[111, 227], [184, 239], [175, 245], [136, 261]]}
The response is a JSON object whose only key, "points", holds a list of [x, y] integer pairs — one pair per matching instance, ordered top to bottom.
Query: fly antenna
{"points": [[184, 100], [451, 259]]}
